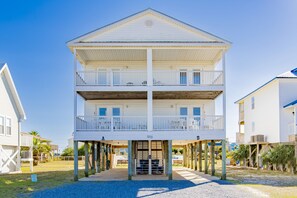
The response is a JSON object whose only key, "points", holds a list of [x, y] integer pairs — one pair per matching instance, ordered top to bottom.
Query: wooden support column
{"points": [[75, 150], [189, 155], [184, 156], [192, 156], [195, 156], [200, 156], [257, 156], [103, 157], [106, 157], [93, 158], [206, 158], [212, 158], [86, 159], [98, 159], [223, 160], [130, 168], [169, 170]]}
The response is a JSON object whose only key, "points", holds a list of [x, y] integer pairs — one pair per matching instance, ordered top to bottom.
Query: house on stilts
{"points": [[149, 83]]}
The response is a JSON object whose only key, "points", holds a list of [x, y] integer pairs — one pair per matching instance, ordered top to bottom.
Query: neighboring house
{"points": [[149, 82], [267, 115], [11, 116], [70, 143], [54, 149]]}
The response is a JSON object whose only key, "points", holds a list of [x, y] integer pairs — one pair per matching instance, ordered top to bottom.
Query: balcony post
{"points": [[149, 66], [149, 110], [75, 150], [150, 157], [86, 159], [169, 169]]}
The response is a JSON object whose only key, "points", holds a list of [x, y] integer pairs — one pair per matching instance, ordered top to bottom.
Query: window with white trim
{"points": [[253, 102], [1, 125], [8, 126], [253, 127]]}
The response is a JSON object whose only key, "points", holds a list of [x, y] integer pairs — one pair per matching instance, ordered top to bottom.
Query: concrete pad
{"points": [[115, 174], [121, 174]]}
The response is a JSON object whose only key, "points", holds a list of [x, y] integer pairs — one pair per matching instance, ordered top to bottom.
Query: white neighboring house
{"points": [[149, 82], [268, 114], [11, 116], [70, 143]]}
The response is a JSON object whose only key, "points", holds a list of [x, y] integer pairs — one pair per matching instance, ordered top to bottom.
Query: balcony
{"points": [[139, 78], [187, 78], [112, 123], [139, 123], [188, 123]]}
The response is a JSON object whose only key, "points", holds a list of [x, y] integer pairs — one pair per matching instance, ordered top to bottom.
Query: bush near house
{"points": [[281, 157]]}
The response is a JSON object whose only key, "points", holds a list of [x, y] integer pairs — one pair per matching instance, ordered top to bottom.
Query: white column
{"points": [[149, 66], [74, 90], [149, 110], [224, 114], [31, 158], [18, 162]]}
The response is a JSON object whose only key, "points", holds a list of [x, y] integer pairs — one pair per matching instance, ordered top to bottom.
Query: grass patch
{"points": [[49, 175]]}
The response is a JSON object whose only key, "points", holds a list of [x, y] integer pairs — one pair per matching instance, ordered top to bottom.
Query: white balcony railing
{"points": [[111, 78], [139, 78], [184, 78], [114, 123], [139, 123], [188, 123]]}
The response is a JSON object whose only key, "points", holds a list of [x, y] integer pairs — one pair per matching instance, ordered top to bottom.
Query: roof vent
{"points": [[148, 23]]}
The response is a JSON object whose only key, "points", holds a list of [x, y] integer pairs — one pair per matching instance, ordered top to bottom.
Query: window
{"points": [[183, 77], [196, 78], [253, 102], [102, 111], [116, 111], [183, 111], [196, 114], [1, 125], [8, 126], [253, 126]]}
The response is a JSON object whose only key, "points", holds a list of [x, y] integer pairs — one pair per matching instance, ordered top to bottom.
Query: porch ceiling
{"points": [[89, 56], [122, 95]]}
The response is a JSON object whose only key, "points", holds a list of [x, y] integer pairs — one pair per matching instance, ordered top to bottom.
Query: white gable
{"points": [[147, 28]]}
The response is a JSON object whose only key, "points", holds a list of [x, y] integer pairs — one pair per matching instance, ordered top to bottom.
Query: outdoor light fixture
{"points": [[103, 138]]}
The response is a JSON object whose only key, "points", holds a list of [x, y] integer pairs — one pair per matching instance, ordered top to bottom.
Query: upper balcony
{"points": [[139, 78]]}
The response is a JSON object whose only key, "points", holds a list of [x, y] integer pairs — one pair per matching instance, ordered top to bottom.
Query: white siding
{"points": [[160, 30], [288, 93], [160, 107], [8, 108], [265, 115]]}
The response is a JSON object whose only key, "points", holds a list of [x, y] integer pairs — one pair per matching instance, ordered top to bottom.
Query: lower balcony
{"points": [[139, 123]]}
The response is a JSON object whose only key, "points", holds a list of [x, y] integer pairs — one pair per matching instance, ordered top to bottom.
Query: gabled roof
{"points": [[212, 38], [5, 70], [289, 74], [291, 104]]}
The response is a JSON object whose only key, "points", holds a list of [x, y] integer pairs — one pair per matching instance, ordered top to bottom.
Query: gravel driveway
{"points": [[197, 185]]}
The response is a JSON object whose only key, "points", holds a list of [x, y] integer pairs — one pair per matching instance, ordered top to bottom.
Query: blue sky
{"points": [[33, 36]]}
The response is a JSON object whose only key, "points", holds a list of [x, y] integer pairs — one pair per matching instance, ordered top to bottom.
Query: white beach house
{"points": [[149, 82], [267, 115], [11, 116]]}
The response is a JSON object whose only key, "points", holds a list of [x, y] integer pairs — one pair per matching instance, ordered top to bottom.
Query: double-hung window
{"points": [[183, 77], [196, 77], [1, 125], [8, 126]]}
